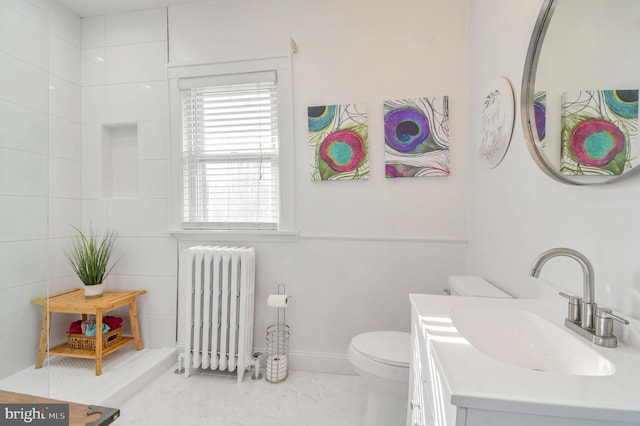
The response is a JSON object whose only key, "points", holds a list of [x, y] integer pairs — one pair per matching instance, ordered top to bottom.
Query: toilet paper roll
{"points": [[278, 300], [276, 367]]}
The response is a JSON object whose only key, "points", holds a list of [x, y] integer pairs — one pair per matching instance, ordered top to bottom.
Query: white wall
{"points": [[125, 159], [40, 165], [517, 212], [364, 245]]}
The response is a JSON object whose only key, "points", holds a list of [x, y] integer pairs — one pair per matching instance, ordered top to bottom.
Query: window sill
{"points": [[235, 235]]}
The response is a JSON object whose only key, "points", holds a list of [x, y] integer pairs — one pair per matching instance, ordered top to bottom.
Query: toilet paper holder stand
{"points": [[277, 359]]}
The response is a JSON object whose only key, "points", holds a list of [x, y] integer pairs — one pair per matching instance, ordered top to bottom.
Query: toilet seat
{"points": [[386, 347], [383, 354]]}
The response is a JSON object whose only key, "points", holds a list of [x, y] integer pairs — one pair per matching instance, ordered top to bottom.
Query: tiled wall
{"points": [[40, 165], [124, 185]]}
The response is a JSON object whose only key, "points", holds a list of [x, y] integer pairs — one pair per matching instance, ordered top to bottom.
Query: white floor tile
{"points": [[205, 398], [304, 399]]}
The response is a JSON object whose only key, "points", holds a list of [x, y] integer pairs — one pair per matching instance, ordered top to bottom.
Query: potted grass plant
{"points": [[89, 257]]}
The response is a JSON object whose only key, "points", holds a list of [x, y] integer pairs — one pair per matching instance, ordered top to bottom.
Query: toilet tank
{"points": [[471, 286]]}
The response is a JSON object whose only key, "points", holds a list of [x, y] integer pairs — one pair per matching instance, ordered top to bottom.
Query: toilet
{"points": [[381, 358]]}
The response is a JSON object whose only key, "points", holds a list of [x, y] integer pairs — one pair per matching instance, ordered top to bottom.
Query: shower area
{"points": [[41, 194]]}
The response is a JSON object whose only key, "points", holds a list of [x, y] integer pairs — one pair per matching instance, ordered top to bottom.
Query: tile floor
{"points": [[215, 399]]}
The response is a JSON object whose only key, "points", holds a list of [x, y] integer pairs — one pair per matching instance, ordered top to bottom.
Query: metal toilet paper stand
{"points": [[277, 359]]}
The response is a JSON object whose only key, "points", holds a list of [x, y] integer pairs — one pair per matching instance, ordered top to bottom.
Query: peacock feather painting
{"points": [[599, 132], [416, 135], [338, 141]]}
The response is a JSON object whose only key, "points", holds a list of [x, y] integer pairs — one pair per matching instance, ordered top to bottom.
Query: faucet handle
{"points": [[572, 299], [575, 303], [603, 312], [604, 322]]}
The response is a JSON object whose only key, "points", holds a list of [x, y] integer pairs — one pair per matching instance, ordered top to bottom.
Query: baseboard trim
{"points": [[318, 362]]}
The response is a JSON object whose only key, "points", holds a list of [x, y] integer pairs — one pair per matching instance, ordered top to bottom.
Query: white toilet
{"points": [[381, 358]]}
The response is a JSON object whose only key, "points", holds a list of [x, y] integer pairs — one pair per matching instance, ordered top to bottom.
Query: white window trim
{"points": [[280, 64]]}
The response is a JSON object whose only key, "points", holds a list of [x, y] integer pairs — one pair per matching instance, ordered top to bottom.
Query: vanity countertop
{"points": [[477, 380]]}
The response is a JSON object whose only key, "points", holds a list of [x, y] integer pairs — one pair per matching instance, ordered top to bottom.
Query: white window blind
{"points": [[230, 151]]}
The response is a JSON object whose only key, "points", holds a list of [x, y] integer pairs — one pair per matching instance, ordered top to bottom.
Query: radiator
{"points": [[219, 291]]}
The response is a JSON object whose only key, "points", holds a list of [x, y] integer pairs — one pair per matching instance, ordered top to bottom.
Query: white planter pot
{"points": [[93, 291]]}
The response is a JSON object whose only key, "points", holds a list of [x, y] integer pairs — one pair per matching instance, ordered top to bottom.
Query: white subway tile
{"points": [[31, 10], [63, 23], [136, 27], [92, 30], [23, 39], [64, 59], [136, 62], [93, 64], [23, 84], [64, 99], [93, 103], [130, 103], [23, 128], [65, 138], [152, 140], [91, 142], [23, 173], [65, 178], [153, 178], [92, 179], [64, 213], [94, 214], [138, 217], [23, 218], [147, 256], [23, 262], [59, 265], [60, 285], [160, 298], [12, 302], [13, 315], [157, 331], [18, 350]]}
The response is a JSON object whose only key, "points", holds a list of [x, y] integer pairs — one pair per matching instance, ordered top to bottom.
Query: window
{"points": [[230, 142]]}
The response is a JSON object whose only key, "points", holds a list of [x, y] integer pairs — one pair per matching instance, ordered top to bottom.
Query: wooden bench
{"points": [[73, 301]]}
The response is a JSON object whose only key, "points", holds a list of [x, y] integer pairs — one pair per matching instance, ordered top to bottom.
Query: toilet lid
{"points": [[389, 347]]}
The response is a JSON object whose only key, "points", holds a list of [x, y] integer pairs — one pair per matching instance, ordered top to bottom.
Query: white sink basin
{"points": [[526, 340], [485, 354]]}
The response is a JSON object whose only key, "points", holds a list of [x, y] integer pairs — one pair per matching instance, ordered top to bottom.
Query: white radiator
{"points": [[219, 291]]}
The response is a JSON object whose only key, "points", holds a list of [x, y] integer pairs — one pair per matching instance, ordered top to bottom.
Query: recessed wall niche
{"points": [[120, 161]]}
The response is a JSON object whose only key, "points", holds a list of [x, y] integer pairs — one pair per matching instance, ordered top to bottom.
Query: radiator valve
{"points": [[255, 362]]}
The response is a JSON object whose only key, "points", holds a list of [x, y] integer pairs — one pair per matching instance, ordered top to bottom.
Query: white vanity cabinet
{"points": [[453, 383], [428, 395], [418, 410]]}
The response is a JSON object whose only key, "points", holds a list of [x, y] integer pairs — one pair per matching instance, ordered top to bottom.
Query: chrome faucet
{"points": [[587, 306], [584, 317]]}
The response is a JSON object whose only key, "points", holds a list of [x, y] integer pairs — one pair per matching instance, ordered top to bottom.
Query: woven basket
{"points": [[80, 341]]}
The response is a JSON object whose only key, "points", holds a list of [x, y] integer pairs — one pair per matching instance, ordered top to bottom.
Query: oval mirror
{"points": [[580, 90]]}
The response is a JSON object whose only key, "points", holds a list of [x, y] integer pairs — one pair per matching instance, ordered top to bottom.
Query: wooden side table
{"points": [[74, 302]]}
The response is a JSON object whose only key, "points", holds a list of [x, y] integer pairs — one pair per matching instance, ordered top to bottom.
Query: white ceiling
{"points": [[108, 7]]}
